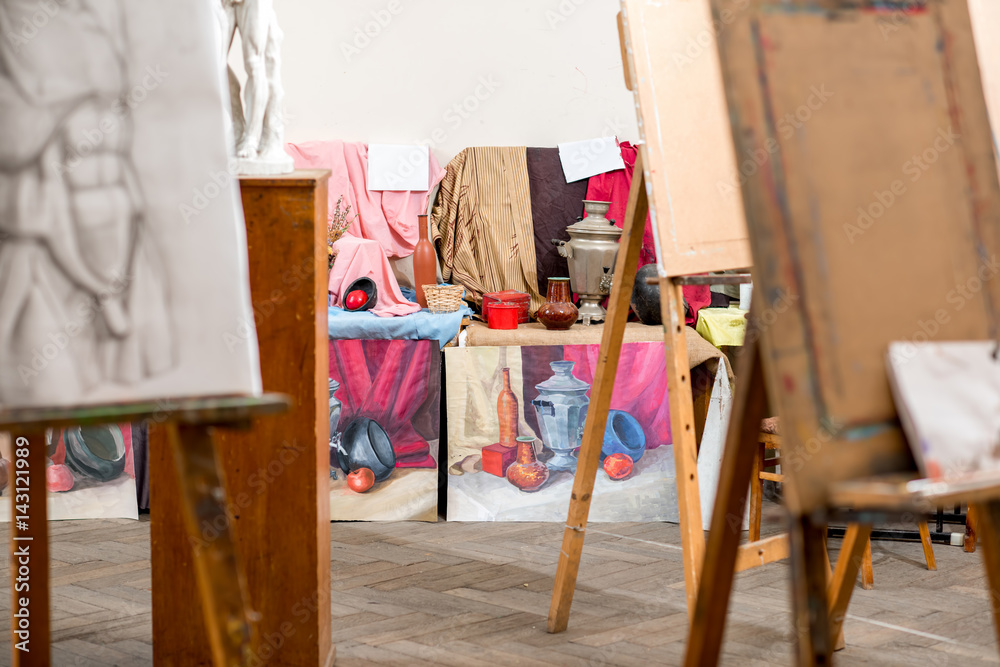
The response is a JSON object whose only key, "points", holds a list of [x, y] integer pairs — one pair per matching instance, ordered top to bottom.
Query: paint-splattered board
{"points": [[693, 185], [876, 214]]}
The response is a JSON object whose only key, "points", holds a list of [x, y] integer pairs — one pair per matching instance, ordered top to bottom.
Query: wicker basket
{"points": [[443, 298]]}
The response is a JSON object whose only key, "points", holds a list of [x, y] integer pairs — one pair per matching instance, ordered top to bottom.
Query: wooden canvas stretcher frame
{"points": [[676, 177]]}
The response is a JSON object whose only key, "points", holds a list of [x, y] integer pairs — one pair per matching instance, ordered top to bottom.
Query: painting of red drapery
{"points": [[396, 384]]}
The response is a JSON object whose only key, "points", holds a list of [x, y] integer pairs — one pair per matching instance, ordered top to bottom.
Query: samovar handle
{"points": [[563, 249], [541, 405]]}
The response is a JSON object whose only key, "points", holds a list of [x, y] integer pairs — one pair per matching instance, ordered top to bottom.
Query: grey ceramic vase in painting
{"points": [[335, 407], [561, 408]]}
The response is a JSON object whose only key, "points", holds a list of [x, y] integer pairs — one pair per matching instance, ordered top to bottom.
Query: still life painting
{"points": [[385, 423], [515, 423], [89, 473]]}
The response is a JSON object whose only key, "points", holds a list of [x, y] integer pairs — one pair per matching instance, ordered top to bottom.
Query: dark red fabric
{"points": [[614, 186], [390, 381]]}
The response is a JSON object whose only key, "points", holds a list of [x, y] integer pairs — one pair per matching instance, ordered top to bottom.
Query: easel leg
{"points": [[600, 402], [685, 445], [756, 492], [988, 531], [925, 542], [856, 545], [969, 545], [29, 551], [867, 571], [221, 584], [809, 584], [708, 621]]}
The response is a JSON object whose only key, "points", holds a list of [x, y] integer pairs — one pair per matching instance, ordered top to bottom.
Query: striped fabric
{"points": [[482, 223]]}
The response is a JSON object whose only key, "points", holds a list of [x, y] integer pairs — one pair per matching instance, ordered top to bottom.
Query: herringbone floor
{"points": [[477, 594]]}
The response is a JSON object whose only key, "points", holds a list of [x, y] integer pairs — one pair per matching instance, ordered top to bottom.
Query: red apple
{"points": [[355, 299], [618, 466], [58, 478], [361, 480]]}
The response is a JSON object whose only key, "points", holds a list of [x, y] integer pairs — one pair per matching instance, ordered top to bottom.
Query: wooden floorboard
{"points": [[469, 594]]}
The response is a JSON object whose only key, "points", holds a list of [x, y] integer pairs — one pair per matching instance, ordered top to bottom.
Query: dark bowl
{"points": [[366, 285], [646, 298], [365, 444], [97, 452]]}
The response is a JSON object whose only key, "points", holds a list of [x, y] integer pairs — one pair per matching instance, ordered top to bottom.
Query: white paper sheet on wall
{"points": [[590, 157], [398, 168]]}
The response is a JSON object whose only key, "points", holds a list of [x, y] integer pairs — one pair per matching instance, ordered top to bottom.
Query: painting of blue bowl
{"points": [[623, 435]]}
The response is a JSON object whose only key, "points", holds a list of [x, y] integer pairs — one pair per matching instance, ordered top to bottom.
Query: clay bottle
{"points": [[424, 262], [507, 412]]}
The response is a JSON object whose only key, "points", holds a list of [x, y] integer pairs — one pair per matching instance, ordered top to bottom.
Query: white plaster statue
{"points": [[258, 130]]}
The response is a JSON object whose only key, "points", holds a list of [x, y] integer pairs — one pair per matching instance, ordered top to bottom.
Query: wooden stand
{"points": [[824, 358], [684, 429], [277, 475], [221, 586]]}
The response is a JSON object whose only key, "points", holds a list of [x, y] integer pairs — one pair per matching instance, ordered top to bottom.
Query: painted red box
{"points": [[520, 299], [497, 458]]}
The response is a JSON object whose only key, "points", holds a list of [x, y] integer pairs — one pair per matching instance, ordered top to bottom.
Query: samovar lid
{"points": [[595, 222], [563, 380]]}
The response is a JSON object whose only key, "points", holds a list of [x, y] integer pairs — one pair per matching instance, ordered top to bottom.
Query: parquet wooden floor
{"points": [[477, 594]]}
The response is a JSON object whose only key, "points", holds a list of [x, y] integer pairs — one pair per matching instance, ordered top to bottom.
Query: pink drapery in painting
{"points": [[388, 381], [640, 386]]}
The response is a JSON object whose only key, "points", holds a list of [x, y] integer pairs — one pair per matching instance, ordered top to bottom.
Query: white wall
{"points": [[453, 73]]}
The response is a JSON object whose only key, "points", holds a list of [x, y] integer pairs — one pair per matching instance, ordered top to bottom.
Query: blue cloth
{"points": [[422, 325]]}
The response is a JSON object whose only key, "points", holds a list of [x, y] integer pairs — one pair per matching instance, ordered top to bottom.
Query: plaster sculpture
{"points": [[257, 128]]}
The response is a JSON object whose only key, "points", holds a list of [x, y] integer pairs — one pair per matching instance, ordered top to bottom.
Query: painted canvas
{"points": [[122, 248], [948, 399], [515, 421], [385, 425], [89, 474]]}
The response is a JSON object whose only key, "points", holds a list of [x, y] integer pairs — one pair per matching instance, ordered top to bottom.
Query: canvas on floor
{"points": [[543, 393], [385, 418], [89, 474]]}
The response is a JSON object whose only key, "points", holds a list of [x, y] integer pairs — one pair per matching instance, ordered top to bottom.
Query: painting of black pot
{"points": [[365, 444], [97, 452]]}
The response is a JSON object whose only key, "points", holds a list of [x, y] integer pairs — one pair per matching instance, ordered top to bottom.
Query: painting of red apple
{"points": [[618, 466], [361, 480]]}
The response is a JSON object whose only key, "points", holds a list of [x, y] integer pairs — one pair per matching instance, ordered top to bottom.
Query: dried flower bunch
{"points": [[336, 227]]}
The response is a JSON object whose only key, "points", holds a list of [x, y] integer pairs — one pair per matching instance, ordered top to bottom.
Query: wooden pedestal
{"points": [[277, 474]]}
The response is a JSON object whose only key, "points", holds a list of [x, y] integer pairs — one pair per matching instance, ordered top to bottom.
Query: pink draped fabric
{"points": [[614, 186], [387, 217], [361, 258], [388, 381], [640, 386]]}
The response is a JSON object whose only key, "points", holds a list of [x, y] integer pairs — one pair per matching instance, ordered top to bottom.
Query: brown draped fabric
{"points": [[482, 223]]}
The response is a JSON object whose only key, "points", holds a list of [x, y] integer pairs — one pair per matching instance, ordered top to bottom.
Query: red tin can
{"points": [[509, 296], [503, 316]]}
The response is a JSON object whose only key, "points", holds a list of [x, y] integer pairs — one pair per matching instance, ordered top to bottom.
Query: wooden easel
{"points": [[698, 232], [822, 362], [222, 586]]}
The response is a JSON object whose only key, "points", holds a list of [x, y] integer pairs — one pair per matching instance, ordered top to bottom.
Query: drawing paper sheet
{"points": [[590, 157], [400, 168], [123, 270], [948, 399]]}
